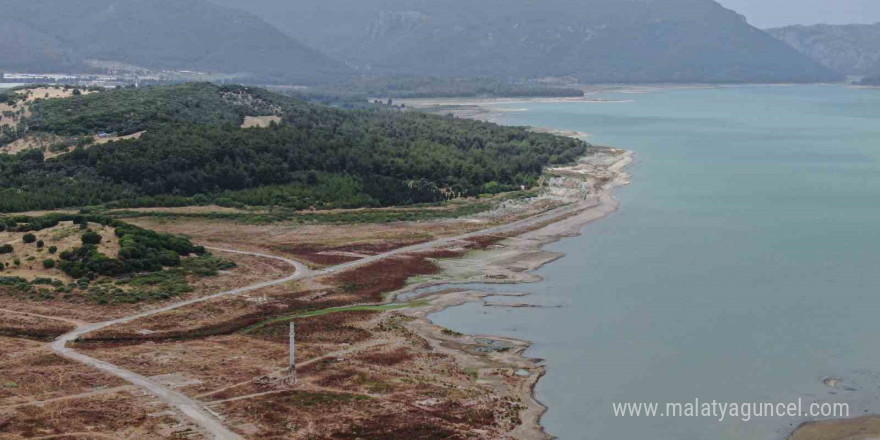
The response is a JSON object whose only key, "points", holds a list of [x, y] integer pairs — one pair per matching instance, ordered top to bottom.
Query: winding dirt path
{"points": [[190, 408], [195, 411]]}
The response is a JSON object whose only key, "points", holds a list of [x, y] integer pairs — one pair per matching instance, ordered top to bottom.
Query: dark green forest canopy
{"points": [[430, 87], [126, 111], [317, 156]]}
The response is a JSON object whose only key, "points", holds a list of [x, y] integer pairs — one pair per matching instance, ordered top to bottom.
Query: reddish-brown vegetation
{"points": [[442, 253], [322, 255], [317, 256], [371, 282], [31, 327], [219, 328], [333, 328], [28, 370], [107, 414], [407, 425]]}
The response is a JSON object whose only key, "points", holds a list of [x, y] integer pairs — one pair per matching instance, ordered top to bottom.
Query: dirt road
{"points": [[189, 408], [195, 411]]}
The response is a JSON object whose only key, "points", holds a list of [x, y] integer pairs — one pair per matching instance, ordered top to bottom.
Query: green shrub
{"points": [[59, 147], [29, 238], [91, 238], [40, 244], [6, 249], [53, 249], [49, 263], [206, 265]]}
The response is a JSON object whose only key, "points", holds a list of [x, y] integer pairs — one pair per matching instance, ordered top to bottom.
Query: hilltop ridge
{"points": [[77, 35], [593, 41]]}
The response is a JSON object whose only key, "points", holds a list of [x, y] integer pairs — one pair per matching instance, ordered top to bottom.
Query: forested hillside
{"points": [[73, 35], [595, 41], [849, 49], [871, 81], [433, 87], [126, 111], [194, 150]]}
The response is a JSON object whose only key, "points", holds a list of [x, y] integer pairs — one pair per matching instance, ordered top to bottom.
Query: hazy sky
{"points": [[771, 13]]}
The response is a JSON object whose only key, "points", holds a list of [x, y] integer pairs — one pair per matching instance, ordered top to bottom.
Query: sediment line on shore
{"points": [[515, 262]]}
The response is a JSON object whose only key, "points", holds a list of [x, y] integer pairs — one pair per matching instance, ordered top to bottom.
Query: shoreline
{"points": [[482, 109], [513, 263], [865, 426]]}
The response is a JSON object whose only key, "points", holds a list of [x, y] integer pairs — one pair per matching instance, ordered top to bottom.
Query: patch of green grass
{"points": [[206, 265], [104, 294], [381, 308]]}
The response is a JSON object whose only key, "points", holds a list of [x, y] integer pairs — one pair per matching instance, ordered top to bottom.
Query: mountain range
{"points": [[75, 35], [331, 41], [593, 41], [847, 49], [873, 80]]}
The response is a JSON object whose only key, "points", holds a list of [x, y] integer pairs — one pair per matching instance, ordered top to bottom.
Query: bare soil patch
{"points": [[260, 121], [113, 138]]}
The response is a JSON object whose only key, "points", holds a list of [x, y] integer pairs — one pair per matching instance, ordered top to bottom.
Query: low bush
{"points": [[91, 238]]}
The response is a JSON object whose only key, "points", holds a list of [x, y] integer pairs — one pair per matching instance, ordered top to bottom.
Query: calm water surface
{"points": [[743, 266]]}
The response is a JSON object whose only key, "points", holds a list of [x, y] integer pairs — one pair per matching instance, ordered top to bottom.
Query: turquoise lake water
{"points": [[743, 265]]}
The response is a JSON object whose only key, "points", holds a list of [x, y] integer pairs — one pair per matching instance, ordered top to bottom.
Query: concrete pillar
{"points": [[292, 367]]}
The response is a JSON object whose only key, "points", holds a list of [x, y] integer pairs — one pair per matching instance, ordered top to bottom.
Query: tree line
{"points": [[317, 156]]}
